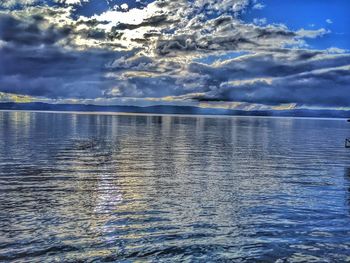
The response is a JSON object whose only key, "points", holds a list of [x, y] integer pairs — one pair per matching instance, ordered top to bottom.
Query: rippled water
{"points": [[172, 189]]}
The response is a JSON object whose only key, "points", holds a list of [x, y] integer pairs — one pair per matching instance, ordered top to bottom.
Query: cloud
{"points": [[13, 3], [25, 3], [124, 6], [258, 6], [260, 21], [329, 21], [29, 32], [303, 33], [335, 50], [153, 52], [70, 74], [304, 77], [273, 80], [311, 89]]}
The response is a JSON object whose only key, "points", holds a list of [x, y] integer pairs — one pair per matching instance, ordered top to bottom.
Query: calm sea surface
{"points": [[91, 188]]}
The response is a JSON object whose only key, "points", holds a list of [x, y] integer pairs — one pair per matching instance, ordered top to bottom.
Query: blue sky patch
{"points": [[311, 14]]}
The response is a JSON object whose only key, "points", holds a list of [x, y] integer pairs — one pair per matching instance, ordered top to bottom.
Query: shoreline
{"points": [[107, 113]]}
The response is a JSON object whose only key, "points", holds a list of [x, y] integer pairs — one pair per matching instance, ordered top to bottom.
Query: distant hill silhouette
{"points": [[164, 109]]}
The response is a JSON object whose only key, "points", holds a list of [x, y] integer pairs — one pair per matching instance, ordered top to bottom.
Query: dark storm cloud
{"points": [[154, 21], [19, 32], [270, 65], [53, 72], [276, 80], [310, 89]]}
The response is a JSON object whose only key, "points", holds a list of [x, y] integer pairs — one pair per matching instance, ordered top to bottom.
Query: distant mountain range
{"points": [[164, 109]]}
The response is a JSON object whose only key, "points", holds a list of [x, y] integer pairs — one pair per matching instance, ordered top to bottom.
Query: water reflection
{"points": [[347, 185], [168, 188]]}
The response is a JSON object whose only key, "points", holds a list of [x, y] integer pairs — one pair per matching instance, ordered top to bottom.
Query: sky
{"points": [[234, 54]]}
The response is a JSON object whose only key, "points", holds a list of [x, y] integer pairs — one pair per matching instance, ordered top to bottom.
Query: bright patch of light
{"points": [[72, 2], [124, 6], [134, 16]]}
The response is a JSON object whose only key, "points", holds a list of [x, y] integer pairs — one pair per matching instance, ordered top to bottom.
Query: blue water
{"points": [[97, 188]]}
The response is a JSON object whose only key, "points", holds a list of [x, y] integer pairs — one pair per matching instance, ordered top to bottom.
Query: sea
{"points": [[94, 187]]}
